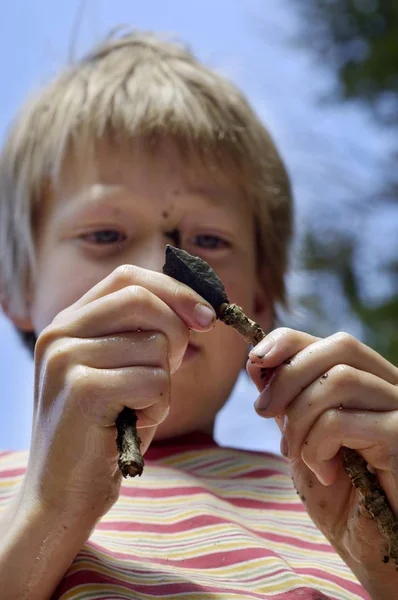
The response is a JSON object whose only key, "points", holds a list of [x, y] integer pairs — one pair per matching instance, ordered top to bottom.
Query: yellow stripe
{"points": [[240, 528]]}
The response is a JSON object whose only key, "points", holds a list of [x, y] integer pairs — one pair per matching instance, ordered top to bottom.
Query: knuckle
{"points": [[125, 274], [136, 296], [282, 332], [345, 340], [45, 341], [57, 356], [342, 377], [78, 382], [330, 421], [385, 452]]}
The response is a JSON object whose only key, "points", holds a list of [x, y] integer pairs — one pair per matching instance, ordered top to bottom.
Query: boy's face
{"points": [[124, 208]]}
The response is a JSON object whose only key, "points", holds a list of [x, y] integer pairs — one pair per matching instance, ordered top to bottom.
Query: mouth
{"points": [[191, 351]]}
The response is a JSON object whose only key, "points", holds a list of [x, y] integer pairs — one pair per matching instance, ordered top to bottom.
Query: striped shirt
{"points": [[203, 522]]}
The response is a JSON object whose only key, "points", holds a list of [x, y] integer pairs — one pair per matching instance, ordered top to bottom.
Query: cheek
{"points": [[57, 290], [241, 292], [228, 349]]}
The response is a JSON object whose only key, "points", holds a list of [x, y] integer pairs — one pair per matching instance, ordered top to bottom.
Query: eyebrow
{"points": [[103, 195], [215, 195]]}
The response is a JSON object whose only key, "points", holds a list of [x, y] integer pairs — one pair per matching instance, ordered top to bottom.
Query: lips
{"points": [[191, 351]]}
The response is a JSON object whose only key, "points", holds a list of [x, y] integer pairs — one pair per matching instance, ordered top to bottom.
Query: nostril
{"points": [[175, 236]]}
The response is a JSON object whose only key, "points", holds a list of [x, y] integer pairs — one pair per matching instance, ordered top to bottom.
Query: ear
{"points": [[19, 316], [23, 323]]}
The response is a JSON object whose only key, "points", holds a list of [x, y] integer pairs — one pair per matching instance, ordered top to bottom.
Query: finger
{"points": [[181, 298], [127, 310], [280, 345], [138, 348], [273, 351], [313, 363], [345, 388], [101, 394], [374, 435]]}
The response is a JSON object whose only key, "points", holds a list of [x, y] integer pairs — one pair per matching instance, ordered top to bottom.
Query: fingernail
{"points": [[204, 316], [262, 348], [264, 399], [284, 447]]}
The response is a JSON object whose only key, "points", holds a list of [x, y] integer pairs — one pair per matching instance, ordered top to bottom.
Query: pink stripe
{"points": [[12, 472], [189, 490], [198, 522], [208, 561], [350, 586], [175, 587]]}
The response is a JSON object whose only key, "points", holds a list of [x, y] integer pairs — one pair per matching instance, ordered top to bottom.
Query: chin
{"points": [[172, 428]]}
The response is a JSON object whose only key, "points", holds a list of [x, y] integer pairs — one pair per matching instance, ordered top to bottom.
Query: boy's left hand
{"points": [[325, 394]]}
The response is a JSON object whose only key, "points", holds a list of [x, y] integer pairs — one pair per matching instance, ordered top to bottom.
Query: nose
{"points": [[150, 253]]}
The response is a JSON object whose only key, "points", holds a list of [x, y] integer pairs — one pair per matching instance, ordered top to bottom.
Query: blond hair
{"points": [[137, 84]]}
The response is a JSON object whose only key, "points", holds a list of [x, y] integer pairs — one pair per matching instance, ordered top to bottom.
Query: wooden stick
{"points": [[131, 462]]}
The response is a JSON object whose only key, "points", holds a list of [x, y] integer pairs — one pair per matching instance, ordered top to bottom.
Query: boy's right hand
{"points": [[115, 347]]}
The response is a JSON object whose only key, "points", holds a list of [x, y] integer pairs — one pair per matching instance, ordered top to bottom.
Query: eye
{"points": [[104, 237], [210, 242]]}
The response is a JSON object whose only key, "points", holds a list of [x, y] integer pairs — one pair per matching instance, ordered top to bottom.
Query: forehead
{"points": [[155, 171]]}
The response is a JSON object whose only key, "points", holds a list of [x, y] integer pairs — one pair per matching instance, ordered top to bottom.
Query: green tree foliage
{"points": [[358, 39]]}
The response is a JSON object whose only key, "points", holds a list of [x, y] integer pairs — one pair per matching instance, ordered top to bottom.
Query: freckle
{"points": [[165, 214], [325, 375], [309, 403], [306, 443], [310, 483], [302, 498], [322, 504]]}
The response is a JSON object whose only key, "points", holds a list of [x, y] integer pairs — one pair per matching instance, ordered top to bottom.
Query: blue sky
{"points": [[253, 46]]}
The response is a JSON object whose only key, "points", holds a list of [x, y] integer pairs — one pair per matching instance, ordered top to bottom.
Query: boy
{"points": [[133, 147]]}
